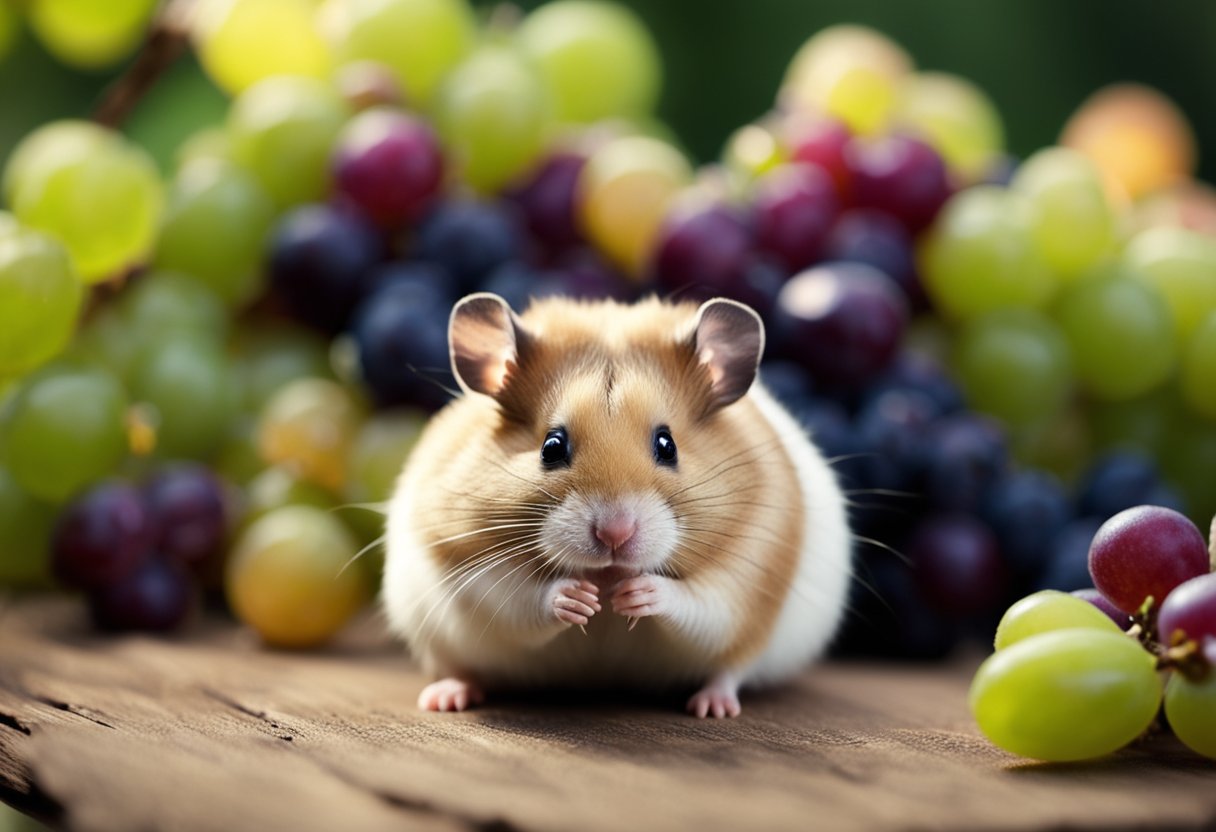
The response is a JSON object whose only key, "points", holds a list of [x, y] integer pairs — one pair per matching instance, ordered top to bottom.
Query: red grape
{"points": [[822, 142], [389, 165], [899, 175], [546, 198], [795, 206], [877, 239], [702, 246], [188, 504], [102, 536], [1143, 551], [156, 597], [1103, 603], [1190, 609]]}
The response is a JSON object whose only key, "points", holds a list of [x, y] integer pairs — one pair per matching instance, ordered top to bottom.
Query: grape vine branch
{"points": [[165, 43]]}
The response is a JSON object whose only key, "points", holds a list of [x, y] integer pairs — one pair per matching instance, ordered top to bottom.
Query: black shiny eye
{"points": [[664, 447], [555, 450]]}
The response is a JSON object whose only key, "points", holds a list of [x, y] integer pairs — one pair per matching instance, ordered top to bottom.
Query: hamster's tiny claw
{"points": [[575, 602], [450, 694]]}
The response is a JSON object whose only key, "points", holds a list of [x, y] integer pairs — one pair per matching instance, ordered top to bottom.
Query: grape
{"points": [[9, 27], [90, 33], [419, 40], [240, 42], [597, 58], [849, 72], [368, 84], [954, 116], [283, 130], [1135, 135], [821, 141], [210, 143], [751, 151], [389, 165], [899, 175], [65, 178], [623, 195], [213, 199], [546, 199], [794, 207], [1074, 224], [469, 239], [877, 239], [701, 246], [980, 256], [319, 258], [1182, 266], [583, 274], [519, 284], [40, 299], [165, 303], [842, 321], [1120, 334], [402, 336], [270, 357], [1014, 364], [1199, 369], [918, 372], [187, 381], [787, 382], [1139, 424], [308, 427], [892, 427], [64, 430], [967, 455], [376, 459], [1188, 459], [238, 460], [1116, 481], [276, 487], [188, 504], [1027, 509], [25, 534], [102, 536], [1145, 551], [957, 565], [1067, 566], [286, 577], [157, 596], [1047, 611], [1189, 611], [891, 619], [1122, 620], [1066, 695], [1190, 707]]}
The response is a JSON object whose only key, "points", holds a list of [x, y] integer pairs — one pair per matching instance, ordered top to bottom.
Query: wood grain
{"points": [[213, 732]]}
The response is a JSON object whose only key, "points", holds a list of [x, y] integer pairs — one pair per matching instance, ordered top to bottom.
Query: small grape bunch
{"points": [[138, 552], [1080, 676]]}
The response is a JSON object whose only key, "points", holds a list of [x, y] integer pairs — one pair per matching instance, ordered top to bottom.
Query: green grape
{"points": [[9, 27], [90, 33], [419, 40], [240, 42], [597, 58], [492, 113], [955, 117], [282, 130], [212, 143], [751, 151], [67, 179], [213, 200], [1074, 224], [980, 255], [1182, 265], [40, 299], [163, 304], [1120, 333], [106, 341], [271, 357], [1014, 364], [1199, 369], [187, 381], [1141, 423], [308, 427], [65, 429], [1060, 443], [1188, 458], [238, 460], [375, 462], [276, 487], [25, 536], [287, 577], [1047, 611], [1066, 695], [1191, 709]]}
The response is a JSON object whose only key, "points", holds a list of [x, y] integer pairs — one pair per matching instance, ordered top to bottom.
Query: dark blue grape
{"points": [[470, 239], [877, 239], [427, 277], [519, 284], [401, 332], [917, 371], [788, 383], [892, 431], [967, 454], [1116, 481], [1027, 509], [191, 515], [102, 536], [957, 565], [1067, 567], [156, 597], [888, 618]]}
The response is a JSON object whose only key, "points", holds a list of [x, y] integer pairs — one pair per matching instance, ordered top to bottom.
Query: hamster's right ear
{"points": [[485, 339]]}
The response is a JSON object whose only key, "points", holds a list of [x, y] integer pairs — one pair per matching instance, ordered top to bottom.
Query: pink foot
{"points": [[450, 694], [719, 698]]}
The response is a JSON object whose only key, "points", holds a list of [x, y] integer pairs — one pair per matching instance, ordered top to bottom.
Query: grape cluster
{"points": [[1076, 676]]}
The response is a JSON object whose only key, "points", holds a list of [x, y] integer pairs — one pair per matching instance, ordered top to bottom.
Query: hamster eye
{"points": [[664, 447], [555, 450]]}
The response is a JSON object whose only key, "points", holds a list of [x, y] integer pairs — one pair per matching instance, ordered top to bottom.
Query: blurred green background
{"points": [[1037, 59]]}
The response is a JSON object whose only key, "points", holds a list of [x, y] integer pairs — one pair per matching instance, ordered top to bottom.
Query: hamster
{"points": [[614, 500]]}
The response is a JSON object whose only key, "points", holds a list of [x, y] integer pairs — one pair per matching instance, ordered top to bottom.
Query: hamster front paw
{"points": [[643, 596], [574, 601]]}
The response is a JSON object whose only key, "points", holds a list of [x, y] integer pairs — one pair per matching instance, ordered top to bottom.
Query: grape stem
{"points": [[164, 44], [1182, 654]]}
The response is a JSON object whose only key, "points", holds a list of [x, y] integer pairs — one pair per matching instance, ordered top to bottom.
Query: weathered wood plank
{"points": [[213, 732]]}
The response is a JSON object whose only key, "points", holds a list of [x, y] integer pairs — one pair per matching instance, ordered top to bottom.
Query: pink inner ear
{"points": [[715, 370]]}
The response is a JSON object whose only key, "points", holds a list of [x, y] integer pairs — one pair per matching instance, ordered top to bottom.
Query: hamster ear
{"points": [[484, 338], [728, 339]]}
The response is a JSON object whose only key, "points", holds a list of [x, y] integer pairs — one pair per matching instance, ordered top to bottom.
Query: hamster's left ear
{"points": [[485, 339], [728, 339]]}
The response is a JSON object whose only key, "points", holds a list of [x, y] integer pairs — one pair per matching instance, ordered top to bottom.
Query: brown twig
{"points": [[165, 43]]}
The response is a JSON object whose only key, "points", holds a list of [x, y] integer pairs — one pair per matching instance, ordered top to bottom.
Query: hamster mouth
{"points": [[608, 576]]}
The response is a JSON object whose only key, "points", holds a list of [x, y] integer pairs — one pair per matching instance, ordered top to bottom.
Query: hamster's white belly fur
{"points": [[455, 635]]}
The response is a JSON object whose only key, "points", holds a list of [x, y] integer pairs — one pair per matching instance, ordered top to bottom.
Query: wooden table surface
{"points": [[209, 731]]}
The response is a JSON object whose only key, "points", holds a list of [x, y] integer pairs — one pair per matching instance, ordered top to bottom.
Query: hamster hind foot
{"points": [[451, 694], [719, 698]]}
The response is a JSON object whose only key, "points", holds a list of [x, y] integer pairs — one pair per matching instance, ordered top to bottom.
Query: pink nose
{"points": [[615, 531]]}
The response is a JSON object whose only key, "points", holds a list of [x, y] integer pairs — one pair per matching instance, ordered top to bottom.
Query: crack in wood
{"points": [[74, 710], [260, 716], [10, 721]]}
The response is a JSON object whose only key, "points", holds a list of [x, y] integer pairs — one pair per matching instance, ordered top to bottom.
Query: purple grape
{"points": [[822, 142], [389, 165], [900, 175], [547, 200], [793, 210], [469, 239], [879, 240], [702, 248], [319, 257], [583, 274], [428, 278], [519, 284], [842, 321], [402, 338], [920, 372], [788, 383], [892, 430], [967, 455], [1116, 481], [1027, 509], [191, 514], [102, 536], [1143, 551], [957, 564], [1067, 566], [156, 597], [1190, 610], [1122, 619]]}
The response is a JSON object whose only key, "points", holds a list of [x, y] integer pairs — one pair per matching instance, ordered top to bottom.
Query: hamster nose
{"points": [[615, 531]]}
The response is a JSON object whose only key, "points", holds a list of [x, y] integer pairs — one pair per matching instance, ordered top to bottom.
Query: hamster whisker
{"points": [[717, 470], [529, 483], [882, 492], [505, 500], [378, 508], [520, 525], [379, 541], [773, 541], [879, 544], [544, 563], [728, 568]]}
